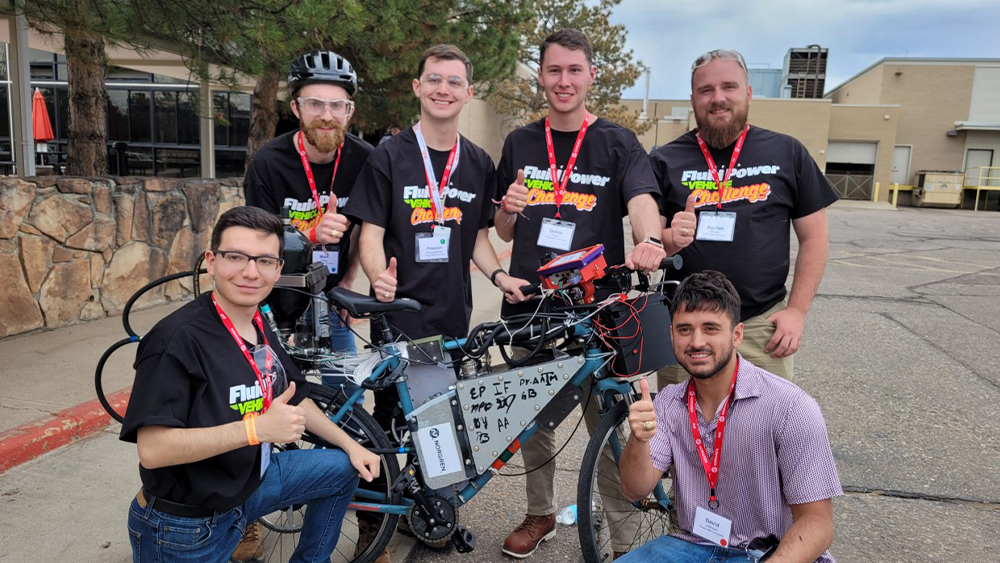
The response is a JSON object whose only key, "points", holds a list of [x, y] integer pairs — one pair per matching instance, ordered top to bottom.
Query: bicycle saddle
{"points": [[359, 305]]}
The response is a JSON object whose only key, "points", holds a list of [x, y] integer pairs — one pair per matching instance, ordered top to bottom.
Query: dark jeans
{"points": [[324, 479]]}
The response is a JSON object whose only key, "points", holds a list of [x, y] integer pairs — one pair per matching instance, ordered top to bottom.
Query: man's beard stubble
{"points": [[722, 136], [325, 142], [720, 363]]}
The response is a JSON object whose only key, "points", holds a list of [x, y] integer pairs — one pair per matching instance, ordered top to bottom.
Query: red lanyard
{"points": [[309, 173], [721, 185], [559, 188], [436, 192], [266, 390], [711, 467]]}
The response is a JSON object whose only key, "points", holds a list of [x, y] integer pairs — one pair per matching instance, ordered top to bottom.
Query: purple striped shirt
{"points": [[776, 453]]}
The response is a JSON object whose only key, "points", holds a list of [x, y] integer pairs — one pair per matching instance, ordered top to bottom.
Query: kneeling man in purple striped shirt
{"points": [[750, 451]]}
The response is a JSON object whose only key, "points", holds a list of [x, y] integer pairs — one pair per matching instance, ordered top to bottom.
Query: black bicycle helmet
{"points": [[322, 66]]}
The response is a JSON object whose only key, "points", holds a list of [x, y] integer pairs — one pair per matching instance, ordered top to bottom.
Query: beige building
{"points": [[883, 126]]}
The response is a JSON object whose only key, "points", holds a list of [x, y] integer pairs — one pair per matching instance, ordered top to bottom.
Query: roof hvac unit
{"points": [[936, 188]]}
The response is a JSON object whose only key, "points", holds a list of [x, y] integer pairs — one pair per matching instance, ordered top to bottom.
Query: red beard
{"points": [[723, 134], [323, 141]]}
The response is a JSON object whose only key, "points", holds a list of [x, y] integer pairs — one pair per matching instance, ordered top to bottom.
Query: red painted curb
{"points": [[31, 440]]}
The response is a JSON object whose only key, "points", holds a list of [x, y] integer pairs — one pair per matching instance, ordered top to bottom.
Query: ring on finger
{"points": [[334, 233], [648, 425]]}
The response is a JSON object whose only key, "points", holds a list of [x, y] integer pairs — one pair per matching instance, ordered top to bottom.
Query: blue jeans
{"points": [[324, 479], [669, 548]]}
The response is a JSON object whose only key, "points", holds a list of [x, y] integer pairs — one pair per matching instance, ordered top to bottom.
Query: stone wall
{"points": [[76, 249]]}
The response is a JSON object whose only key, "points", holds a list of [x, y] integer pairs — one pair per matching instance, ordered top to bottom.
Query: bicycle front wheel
{"points": [[608, 522], [363, 534]]}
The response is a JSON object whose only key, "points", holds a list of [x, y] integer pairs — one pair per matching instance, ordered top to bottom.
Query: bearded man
{"points": [[310, 171], [731, 194]]}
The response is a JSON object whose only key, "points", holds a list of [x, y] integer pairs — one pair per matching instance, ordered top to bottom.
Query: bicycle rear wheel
{"points": [[608, 522], [282, 527]]}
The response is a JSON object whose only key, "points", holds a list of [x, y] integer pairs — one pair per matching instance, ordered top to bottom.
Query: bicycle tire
{"points": [[99, 377], [596, 524], [282, 527]]}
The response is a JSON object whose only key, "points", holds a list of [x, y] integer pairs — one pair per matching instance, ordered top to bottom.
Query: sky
{"points": [[668, 35]]}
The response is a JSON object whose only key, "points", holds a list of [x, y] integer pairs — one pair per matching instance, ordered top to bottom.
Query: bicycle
{"points": [[571, 340]]}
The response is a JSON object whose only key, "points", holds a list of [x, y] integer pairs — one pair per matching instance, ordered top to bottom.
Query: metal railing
{"points": [[982, 178]]}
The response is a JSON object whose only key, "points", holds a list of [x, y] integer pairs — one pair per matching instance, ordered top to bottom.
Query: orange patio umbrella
{"points": [[40, 118]]}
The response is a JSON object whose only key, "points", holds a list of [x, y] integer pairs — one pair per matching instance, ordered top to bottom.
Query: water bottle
{"points": [[567, 516]]}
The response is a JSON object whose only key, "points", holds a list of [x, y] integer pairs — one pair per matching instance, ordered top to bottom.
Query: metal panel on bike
{"points": [[497, 407], [439, 441]]}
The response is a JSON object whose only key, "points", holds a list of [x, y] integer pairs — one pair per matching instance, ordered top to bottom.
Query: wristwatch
{"points": [[653, 241]]}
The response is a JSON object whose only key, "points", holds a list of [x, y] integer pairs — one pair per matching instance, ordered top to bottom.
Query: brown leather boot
{"points": [[366, 534], [524, 540], [251, 547]]}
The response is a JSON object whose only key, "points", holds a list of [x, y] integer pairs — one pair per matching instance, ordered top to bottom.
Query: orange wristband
{"points": [[252, 431]]}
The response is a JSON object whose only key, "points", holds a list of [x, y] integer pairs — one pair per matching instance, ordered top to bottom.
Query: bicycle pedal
{"points": [[403, 480], [463, 540]]}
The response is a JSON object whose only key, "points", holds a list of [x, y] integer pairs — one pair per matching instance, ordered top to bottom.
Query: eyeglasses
{"points": [[721, 54], [435, 80], [318, 106], [238, 260]]}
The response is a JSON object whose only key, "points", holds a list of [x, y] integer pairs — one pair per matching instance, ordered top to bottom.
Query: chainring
{"points": [[445, 523]]}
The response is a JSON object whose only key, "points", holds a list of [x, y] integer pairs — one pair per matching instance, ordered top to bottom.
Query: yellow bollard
{"points": [[875, 194], [895, 194]]}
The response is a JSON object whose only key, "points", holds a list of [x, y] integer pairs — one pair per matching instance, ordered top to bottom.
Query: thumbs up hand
{"points": [[516, 199], [684, 224], [333, 226], [385, 283], [641, 416], [282, 423]]}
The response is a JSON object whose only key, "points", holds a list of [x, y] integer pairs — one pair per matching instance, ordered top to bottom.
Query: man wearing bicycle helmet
{"points": [[311, 170], [565, 182], [213, 391], [751, 454]]}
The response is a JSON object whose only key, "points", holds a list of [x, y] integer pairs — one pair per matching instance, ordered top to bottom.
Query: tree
{"points": [[86, 26], [383, 39], [520, 96]]}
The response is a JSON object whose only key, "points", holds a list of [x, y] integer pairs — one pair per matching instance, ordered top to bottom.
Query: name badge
{"points": [[716, 225], [556, 234], [433, 247], [329, 256], [265, 457], [712, 527]]}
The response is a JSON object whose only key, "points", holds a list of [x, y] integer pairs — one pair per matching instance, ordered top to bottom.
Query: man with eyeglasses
{"points": [[311, 170], [565, 182], [770, 185], [424, 202], [212, 392], [752, 456]]}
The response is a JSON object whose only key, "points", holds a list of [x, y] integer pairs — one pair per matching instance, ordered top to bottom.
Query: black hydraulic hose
{"points": [[135, 296], [132, 336], [100, 369]]}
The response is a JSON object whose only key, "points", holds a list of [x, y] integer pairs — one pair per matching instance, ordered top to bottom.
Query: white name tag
{"points": [[716, 225], [556, 234], [433, 247], [329, 256], [265, 457], [712, 527]]}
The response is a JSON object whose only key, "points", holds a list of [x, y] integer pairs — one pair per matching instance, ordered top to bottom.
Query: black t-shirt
{"points": [[611, 169], [275, 179], [775, 181], [391, 192], [189, 373]]}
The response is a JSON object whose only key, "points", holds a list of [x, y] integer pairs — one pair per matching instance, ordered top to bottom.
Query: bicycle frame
{"points": [[603, 389]]}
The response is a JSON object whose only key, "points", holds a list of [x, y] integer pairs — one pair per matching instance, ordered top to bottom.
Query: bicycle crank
{"points": [[433, 521]]}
